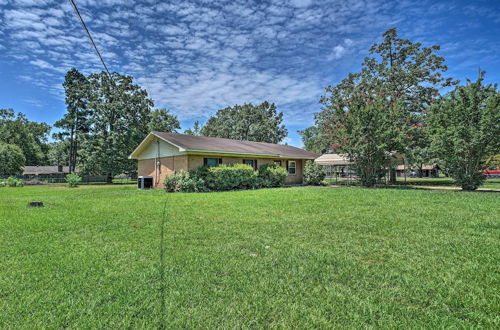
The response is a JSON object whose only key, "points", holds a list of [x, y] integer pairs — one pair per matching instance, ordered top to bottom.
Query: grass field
{"points": [[423, 182], [489, 183], [272, 258]]}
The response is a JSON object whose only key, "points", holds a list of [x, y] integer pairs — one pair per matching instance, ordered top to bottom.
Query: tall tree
{"points": [[403, 70], [119, 116], [163, 121], [75, 123], [261, 123], [196, 130], [465, 130], [368, 131], [28, 135], [312, 140], [418, 148], [58, 153]]}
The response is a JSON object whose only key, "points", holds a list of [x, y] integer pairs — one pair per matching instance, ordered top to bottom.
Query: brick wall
{"points": [[168, 165]]}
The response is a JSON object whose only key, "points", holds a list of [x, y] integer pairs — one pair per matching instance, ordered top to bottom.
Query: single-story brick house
{"points": [[161, 154]]}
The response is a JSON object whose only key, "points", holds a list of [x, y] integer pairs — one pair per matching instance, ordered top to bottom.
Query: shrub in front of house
{"points": [[314, 173], [272, 175], [229, 177], [72, 180], [12, 181], [183, 181]]}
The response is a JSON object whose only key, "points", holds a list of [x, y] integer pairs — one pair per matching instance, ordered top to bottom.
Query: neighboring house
{"points": [[161, 154], [41, 171], [427, 171]]}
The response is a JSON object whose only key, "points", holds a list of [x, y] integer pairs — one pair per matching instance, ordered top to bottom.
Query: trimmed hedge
{"points": [[272, 175], [225, 177], [228, 177], [185, 182]]}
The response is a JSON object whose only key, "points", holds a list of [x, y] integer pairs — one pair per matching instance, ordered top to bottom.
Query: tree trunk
{"points": [[392, 176], [109, 179]]}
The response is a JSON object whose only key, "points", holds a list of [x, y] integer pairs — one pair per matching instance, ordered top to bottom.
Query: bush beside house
{"points": [[314, 173], [272, 175], [225, 177]]}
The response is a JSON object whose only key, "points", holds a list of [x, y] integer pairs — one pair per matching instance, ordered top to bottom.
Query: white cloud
{"points": [[338, 52], [198, 56]]}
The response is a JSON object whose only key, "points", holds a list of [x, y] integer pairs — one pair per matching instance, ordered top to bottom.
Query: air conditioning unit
{"points": [[145, 182]]}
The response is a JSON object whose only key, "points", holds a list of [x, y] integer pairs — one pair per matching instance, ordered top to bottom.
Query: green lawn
{"points": [[489, 183], [272, 258]]}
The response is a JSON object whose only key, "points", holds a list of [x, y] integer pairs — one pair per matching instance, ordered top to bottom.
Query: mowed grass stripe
{"points": [[294, 257]]}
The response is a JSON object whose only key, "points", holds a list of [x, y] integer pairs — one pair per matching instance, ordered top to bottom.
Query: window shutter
{"points": [[220, 161], [205, 162], [255, 164], [287, 165]]}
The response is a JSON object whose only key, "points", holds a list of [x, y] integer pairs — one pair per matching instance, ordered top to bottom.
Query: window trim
{"points": [[205, 161], [254, 162], [277, 162], [288, 162]]}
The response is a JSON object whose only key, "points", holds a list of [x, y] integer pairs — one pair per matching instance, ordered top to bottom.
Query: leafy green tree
{"points": [[403, 70], [119, 113], [163, 121], [259, 123], [75, 124], [196, 130], [369, 130], [465, 131], [28, 135], [313, 140], [418, 148], [58, 153], [12, 159]]}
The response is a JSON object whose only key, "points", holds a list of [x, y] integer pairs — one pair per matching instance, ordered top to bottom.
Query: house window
{"points": [[212, 161], [251, 162], [277, 162], [292, 165]]}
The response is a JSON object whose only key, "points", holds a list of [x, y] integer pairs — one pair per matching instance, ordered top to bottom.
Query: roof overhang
{"points": [[152, 137]]}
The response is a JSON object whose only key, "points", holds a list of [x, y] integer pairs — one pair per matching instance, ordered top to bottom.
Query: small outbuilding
{"points": [[161, 154]]}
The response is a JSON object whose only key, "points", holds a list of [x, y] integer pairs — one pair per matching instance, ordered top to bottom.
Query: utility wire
{"points": [[77, 12]]}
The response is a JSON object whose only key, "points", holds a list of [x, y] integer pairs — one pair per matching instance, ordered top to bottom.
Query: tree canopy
{"points": [[397, 72], [105, 120], [163, 121], [260, 123], [466, 128], [31, 137], [312, 141], [12, 159]]}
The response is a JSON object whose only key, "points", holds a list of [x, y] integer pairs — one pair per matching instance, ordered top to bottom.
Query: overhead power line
{"points": [[75, 8]]}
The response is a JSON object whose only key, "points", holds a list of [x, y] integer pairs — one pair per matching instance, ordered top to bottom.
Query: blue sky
{"points": [[195, 57]]}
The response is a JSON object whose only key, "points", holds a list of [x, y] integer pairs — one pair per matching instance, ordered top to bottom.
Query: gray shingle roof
{"points": [[211, 144], [44, 170]]}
